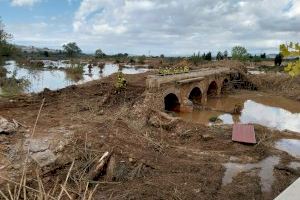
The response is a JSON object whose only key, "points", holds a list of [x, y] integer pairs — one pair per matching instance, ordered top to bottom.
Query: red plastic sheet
{"points": [[243, 133]]}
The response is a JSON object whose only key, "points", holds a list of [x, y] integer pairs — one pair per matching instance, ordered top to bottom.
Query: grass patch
{"points": [[271, 68], [75, 69], [12, 86], [213, 119]]}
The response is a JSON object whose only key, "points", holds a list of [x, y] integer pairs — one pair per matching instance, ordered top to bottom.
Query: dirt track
{"points": [[182, 162]]}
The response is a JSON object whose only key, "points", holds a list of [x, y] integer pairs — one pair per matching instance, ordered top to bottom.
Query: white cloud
{"points": [[23, 2], [173, 26], [186, 26]]}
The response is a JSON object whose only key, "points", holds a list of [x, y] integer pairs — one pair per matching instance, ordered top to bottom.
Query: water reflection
{"points": [[56, 79], [273, 112], [270, 116], [291, 146], [265, 168]]}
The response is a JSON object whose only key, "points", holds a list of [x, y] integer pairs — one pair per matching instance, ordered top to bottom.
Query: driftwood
{"points": [[161, 119], [99, 167]]}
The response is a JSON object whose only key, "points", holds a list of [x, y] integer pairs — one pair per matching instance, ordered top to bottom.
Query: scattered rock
{"points": [[101, 112], [154, 121], [7, 127], [37, 145], [60, 146], [44, 158], [16, 166]]}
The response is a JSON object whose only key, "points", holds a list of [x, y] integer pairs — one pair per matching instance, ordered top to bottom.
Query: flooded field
{"points": [[58, 78], [258, 108]]}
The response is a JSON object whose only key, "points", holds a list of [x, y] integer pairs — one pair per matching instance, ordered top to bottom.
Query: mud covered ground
{"points": [[149, 160]]}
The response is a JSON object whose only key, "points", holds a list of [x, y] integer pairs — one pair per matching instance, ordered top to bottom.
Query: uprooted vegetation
{"points": [[280, 83]]}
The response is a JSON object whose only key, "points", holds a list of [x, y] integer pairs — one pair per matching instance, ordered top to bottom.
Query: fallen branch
{"points": [[99, 166]]}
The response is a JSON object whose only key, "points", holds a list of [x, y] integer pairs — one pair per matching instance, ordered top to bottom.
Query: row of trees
{"points": [[237, 53]]}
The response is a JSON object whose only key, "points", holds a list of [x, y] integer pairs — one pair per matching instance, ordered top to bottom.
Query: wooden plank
{"points": [[243, 133]]}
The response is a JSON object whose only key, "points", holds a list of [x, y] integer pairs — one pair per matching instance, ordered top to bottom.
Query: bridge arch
{"points": [[212, 89], [195, 95], [171, 102]]}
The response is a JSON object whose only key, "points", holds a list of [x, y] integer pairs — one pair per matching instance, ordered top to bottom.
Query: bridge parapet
{"points": [[155, 81]]}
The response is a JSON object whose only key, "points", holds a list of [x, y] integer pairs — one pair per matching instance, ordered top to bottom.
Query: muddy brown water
{"points": [[259, 108]]}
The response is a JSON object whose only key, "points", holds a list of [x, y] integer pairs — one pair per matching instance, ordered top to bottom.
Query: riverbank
{"points": [[163, 160]]}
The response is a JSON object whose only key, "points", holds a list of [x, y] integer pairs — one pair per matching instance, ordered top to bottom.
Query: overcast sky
{"points": [[170, 27]]}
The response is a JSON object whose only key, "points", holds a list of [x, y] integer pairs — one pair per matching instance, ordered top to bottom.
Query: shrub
{"points": [[196, 58], [142, 59], [75, 69], [176, 70], [120, 82], [213, 119]]}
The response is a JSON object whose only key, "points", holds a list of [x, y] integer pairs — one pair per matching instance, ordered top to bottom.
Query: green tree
{"points": [[4, 36], [6, 49], [71, 49], [291, 50], [46, 53], [99, 53], [239, 53], [225, 54], [208, 56], [219, 56], [263, 56], [278, 60]]}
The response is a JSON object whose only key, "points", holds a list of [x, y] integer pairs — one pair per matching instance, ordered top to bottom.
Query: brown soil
{"points": [[181, 162]]}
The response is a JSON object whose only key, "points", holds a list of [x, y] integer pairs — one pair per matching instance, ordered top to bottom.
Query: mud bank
{"points": [[152, 159]]}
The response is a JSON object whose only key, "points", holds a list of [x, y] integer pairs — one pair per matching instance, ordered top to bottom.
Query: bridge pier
{"points": [[204, 98], [186, 106]]}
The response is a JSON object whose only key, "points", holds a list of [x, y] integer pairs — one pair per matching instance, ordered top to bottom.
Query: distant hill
{"points": [[32, 49]]}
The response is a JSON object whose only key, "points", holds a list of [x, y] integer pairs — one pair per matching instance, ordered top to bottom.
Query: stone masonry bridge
{"points": [[179, 92]]}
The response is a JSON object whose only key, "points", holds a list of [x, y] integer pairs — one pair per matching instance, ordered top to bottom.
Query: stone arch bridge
{"points": [[179, 92]]}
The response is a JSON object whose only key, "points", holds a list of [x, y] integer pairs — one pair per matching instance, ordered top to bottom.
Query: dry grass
{"points": [[282, 84], [74, 186]]}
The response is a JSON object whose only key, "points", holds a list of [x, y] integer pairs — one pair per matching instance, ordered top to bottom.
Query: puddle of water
{"points": [[255, 72], [57, 79], [259, 108], [291, 146], [294, 165], [265, 173]]}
